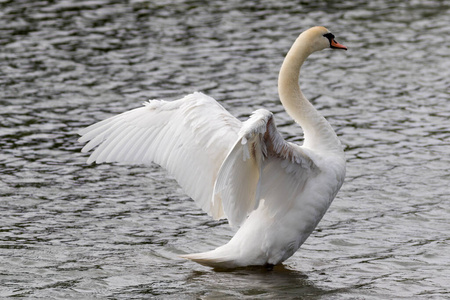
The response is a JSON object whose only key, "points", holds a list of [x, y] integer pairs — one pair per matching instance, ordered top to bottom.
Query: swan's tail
{"points": [[217, 259]]}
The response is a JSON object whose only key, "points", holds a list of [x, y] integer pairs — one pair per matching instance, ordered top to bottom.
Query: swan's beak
{"points": [[336, 45]]}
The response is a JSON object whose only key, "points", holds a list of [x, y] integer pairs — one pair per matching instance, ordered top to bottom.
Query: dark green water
{"points": [[73, 231]]}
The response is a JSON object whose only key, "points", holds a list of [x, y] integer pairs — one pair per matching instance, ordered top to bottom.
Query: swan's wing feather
{"points": [[189, 137], [261, 165], [236, 184]]}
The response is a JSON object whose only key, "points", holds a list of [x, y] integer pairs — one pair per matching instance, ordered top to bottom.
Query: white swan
{"points": [[275, 191]]}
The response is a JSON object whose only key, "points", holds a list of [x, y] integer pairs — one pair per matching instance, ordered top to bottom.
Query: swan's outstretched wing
{"points": [[189, 137], [261, 165]]}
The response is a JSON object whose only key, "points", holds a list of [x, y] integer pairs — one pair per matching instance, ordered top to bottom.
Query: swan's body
{"points": [[275, 191]]}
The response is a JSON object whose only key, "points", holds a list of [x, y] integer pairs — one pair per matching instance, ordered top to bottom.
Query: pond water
{"points": [[75, 231]]}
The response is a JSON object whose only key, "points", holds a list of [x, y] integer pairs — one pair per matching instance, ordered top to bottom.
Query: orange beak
{"points": [[336, 45]]}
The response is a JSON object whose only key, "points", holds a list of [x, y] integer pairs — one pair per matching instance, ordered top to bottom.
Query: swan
{"points": [[273, 191]]}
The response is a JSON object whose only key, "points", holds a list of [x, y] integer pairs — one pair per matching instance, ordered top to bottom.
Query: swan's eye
{"points": [[329, 36]]}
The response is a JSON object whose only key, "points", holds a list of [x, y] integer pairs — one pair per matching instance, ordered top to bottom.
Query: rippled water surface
{"points": [[71, 230]]}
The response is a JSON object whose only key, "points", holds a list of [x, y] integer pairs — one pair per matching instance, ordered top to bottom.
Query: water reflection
{"points": [[254, 282]]}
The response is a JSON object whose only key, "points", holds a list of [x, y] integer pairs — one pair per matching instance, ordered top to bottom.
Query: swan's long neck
{"points": [[318, 134]]}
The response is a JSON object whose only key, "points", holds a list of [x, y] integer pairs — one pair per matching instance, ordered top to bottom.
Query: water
{"points": [[73, 231]]}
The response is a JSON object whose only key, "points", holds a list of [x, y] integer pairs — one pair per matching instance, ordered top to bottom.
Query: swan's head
{"points": [[320, 38]]}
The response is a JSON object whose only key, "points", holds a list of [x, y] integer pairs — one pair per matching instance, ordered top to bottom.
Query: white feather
{"points": [[189, 137]]}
